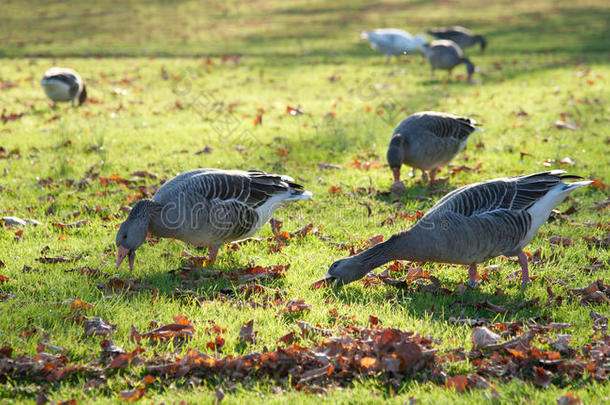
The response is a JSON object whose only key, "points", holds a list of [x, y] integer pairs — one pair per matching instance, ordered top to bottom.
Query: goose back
{"points": [[62, 84], [432, 139], [210, 206], [498, 217]]}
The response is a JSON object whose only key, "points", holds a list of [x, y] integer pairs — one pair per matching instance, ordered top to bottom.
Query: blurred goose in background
{"points": [[460, 35], [391, 41], [445, 55], [63, 84], [426, 141], [207, 207], [469, 226]]}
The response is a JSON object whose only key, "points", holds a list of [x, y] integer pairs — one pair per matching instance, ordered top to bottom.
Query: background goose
{"points": [[460, 35], [391, 41], [445, 55], [63, 84], [428, 140], [207, 207], [468, 226]]}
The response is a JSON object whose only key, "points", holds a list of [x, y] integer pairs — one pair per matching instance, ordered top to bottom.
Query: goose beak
{"points": [[396, 175], [121, 254], [327, 281]]}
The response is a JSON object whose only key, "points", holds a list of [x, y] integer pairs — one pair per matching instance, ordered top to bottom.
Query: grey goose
{"points": [[460, 35], [445, 55], [63, 84], [428, 140], [206, 208], [470, 225]]}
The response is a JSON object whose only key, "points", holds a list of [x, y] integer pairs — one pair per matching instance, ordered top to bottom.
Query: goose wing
{"points": [[445, 125], [510, 194]]}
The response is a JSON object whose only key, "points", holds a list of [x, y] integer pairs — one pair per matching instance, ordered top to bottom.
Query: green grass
{"points": [[157, 102]]}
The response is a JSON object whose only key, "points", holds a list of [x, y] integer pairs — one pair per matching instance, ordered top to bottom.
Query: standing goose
{"points": [[460, 35], [392, 41], [445, 55], [63, 84], [428, 140], [207, 207], [468, 226]]}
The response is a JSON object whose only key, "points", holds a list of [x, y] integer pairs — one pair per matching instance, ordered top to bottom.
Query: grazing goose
{"points": [[460, 35], [391, 41], [445, 55], [63, 84], [428, 140], [207, 207], [468, 226]]}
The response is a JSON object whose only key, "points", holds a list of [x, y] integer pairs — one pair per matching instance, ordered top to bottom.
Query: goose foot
{"points": [[424, 176], [525, 275]]}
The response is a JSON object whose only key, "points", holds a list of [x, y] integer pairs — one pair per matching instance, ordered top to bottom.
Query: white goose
{"points": [[392, 41], [63, 84], [207, 207], [469, 226]]}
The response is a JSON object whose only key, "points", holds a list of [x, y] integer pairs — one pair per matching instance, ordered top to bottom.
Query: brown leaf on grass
{"points": [[294, 111], [10, 117], [258, 120], [324, 165], [366, 165], [477, 168], [144, 173], [597, 183], [334, 190], [600, 206], [77, 224], [558, 240], [58, 259], [88, 271], [3, 279], [596, 292], [80, 305], [294, 305], [600, 322], [98, 326], [176, 331], [246, 332], [482, 337], [288, 338], [216, 344], [542, 377], [458, 383], [219, 394], [132, 395], [568, 399], [71, 401]]}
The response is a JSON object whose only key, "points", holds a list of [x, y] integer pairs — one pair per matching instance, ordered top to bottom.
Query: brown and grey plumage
{"points": [[460, 35], [445, 55], [63, 84], [428, 140], [207, 207], [468, 226]]}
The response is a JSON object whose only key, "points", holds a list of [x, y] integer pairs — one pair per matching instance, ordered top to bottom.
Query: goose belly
{"points": [[56, 90]]}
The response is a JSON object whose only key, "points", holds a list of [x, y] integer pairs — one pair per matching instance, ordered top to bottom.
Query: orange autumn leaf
{"points": [[367, 109], [258, 120], [282, 152], [597, 183], [334, 190], [3, 279], [368, 362], [458, 382], [132, 395]]}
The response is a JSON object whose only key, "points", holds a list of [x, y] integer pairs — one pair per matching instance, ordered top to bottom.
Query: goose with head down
{"points": [[445, 55], [63, 84], [427, 140], [206, 208], [470, 225]]}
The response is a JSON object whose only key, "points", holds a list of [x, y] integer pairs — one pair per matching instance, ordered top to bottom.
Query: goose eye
{"points": [[124, 236]]}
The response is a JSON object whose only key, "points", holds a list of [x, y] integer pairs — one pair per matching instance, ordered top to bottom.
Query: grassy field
{"points": [[180, 85]]}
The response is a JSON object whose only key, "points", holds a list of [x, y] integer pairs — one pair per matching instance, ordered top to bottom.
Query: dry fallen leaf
{"points": [[482, 337]]}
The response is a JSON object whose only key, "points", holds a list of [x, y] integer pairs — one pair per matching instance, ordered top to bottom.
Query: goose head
{"points": [[82, 96], [395, 155], [132, 233], [343, 271]]}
